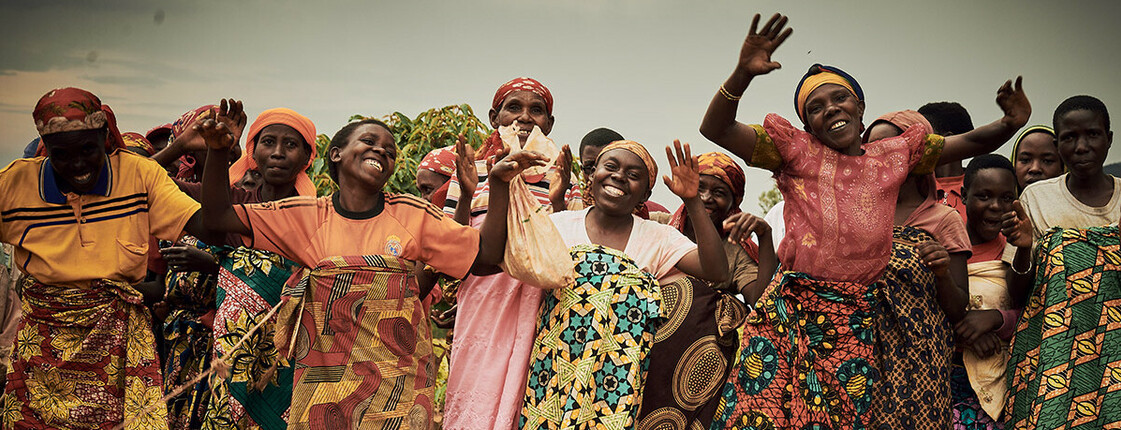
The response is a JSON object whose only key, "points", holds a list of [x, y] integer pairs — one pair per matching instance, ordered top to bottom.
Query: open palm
{"points": [[755, 55], [686, 180]]}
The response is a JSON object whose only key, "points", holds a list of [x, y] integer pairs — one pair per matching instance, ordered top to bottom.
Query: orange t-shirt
{"points": [[308, 230]]}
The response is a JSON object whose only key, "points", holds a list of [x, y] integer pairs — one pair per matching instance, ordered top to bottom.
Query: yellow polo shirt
{"points": [[72, 239]]}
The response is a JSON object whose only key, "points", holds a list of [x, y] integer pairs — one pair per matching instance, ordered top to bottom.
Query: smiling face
{"points": [[525, 109], [833, 115], [1084, 142], [281, 154], [77, 157], [1037, 158], [367, 159], [427, 182], [620, 182], [989, 196], [717, 197]]}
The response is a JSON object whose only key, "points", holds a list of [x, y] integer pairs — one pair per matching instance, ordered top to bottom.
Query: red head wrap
{"points": [[523, 84], [73, 109], [190, 117], [439, 160]]}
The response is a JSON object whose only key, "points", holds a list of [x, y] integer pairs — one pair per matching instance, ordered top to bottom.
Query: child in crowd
{"points": [[1035, 156], [815, 335], [1063, 364], [588, 368], [978, 382]]}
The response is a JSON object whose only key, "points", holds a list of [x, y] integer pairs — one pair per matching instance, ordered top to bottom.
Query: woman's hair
{"points": [[1072, 104], [947, 118], [342, 137], [985, 161]]}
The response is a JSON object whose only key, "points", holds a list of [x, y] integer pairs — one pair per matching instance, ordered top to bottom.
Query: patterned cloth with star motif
{"points": [[84, 358], [590, 358], [1065, 368]]}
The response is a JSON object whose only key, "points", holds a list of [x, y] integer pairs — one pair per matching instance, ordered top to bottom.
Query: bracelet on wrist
{"points": [[728, 95]]}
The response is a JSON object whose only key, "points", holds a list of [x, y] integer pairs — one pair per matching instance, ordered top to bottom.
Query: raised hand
{"points": [[755, 55], [1014, 103], [232, 114], [215, 134], [510, 166], [465, 171], [686, 180], [559, 187], [740, 226], [1016, 226], [935, 257]]}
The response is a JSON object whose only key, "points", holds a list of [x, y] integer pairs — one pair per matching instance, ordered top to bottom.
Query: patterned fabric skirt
{"points": [[188, 339], [914, 343], [362, 346], [1066, 355], [692, 356], [590, 357], [85, 358], [806, 359], [259, 389], [968, 413]]}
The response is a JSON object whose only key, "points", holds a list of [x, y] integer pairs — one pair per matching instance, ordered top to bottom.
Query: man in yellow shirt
{"points": [[79, 216]]}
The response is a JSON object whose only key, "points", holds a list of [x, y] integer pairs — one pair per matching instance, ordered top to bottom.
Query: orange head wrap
{"points": [[288, 117], [636, 149], [722, 166]]}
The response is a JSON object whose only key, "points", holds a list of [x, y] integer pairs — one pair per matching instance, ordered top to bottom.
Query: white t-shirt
{"points": [[1050, 204], [654, 247]]}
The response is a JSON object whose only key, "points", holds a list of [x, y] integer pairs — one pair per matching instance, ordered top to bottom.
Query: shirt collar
{"points": [[48, 183]]}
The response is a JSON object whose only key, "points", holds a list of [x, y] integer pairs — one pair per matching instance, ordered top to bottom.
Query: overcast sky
{"points": [[644, 68]]}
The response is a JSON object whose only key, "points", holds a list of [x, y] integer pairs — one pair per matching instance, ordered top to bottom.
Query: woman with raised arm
{"points": [[357, 329], [808, 354], [589, 362]]}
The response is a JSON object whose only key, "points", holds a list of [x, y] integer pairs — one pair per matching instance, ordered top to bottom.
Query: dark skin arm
{"points": [[230, 112], [719, 124], [987, 138], [468, 178], [560, 186], [217, 209], [739, 227], [1017, 228], [492, 234], [708, 262], [951, 278]]}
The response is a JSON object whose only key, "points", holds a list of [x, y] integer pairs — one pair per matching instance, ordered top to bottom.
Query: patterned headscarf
{"points": [[817, 76], [522, 84], [73, 109], [288, 117], [903, 119], [158, 129], [1033, 129], [137, 142], [493, 144], [439, 160], [187, 162], [722, 166]]}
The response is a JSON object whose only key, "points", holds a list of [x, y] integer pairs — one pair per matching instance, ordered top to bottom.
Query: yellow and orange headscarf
{"points": [[817, 76], [288, 117], [636, 149], [722, 166]]}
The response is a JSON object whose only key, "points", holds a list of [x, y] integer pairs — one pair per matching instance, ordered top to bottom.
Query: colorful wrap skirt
{"points": [[188, 340], [914, 342], [361, 343], [591, 354], [692, 355], [85, 358], [806, 359], [1065, 367], [258, 391]]}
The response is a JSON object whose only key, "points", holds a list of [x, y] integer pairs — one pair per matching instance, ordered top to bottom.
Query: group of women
{"points": [[881, 304]]}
